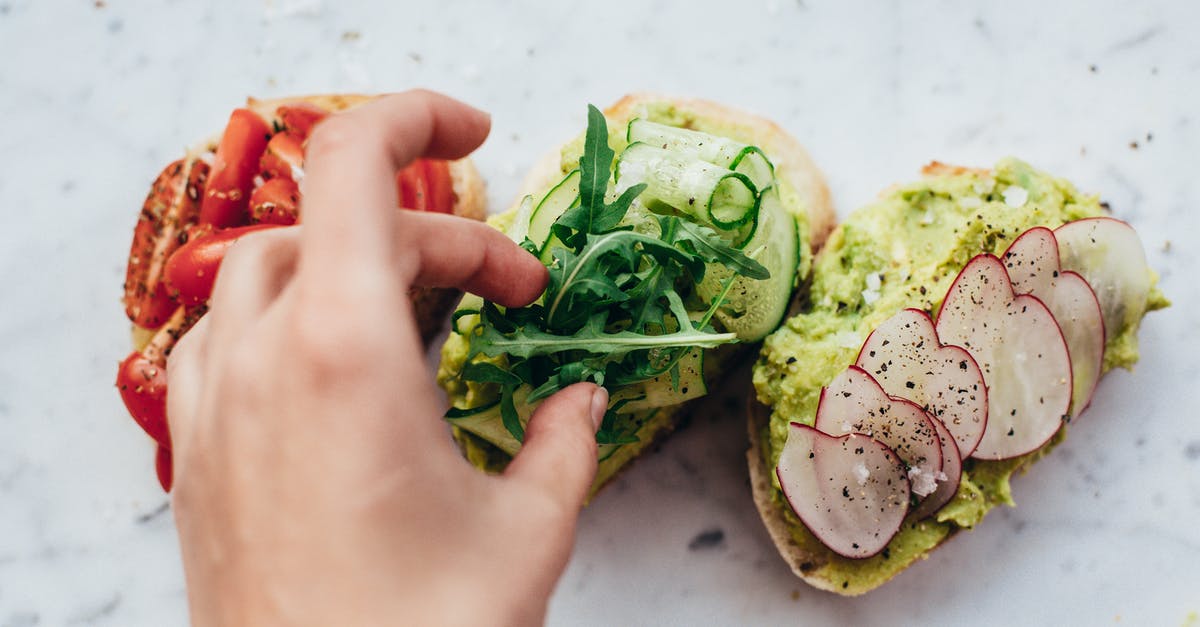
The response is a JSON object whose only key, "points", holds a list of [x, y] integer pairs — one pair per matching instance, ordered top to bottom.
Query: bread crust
{"points": [[431, 304], [800, 561]]}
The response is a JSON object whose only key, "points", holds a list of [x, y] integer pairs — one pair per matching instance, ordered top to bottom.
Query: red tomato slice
{"points": [[299, 118], [284, 157], [234, 168], [425, 185], [412, 186], [439, 186], [276, 201], [191, 271], [143, 387], [162, 468]]}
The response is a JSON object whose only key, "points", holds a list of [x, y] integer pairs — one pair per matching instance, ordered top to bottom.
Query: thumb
{"points": [[559, 455]]}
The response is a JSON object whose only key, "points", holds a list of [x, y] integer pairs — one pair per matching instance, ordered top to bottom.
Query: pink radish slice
{"points": [[1109, 255], [1033, 266], [1020, 349], [906, 357], [855, 403], [949, 478], [850, 491]]}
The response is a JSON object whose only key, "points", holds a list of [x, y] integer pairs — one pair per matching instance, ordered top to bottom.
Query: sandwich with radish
{"points": [[954, 331]]}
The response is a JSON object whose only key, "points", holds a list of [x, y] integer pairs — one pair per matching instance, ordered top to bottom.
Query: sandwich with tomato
{"points": [[245, 179]]}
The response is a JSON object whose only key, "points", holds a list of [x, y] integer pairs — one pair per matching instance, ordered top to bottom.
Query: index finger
{"points": [[349, 201]]}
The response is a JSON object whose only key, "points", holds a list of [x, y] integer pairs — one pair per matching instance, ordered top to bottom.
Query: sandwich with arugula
{"points": [[675, 233]]}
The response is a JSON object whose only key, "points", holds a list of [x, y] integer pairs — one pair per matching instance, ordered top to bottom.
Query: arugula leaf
{"points": [[595, 165], [705, 243], [593, 340], [487, 372], [508, 414]]}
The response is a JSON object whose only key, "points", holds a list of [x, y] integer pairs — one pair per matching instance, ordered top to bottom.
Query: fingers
{"points": [[349, 193], [453, 252], [252, 274], [185, 366], [559, 454]]}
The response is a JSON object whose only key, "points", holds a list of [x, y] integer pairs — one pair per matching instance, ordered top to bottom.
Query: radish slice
{"points": [[1109, 255], [1033, 266], [1020, 349], [906, 357], [855, 403], [950, 477], [850, 491]]}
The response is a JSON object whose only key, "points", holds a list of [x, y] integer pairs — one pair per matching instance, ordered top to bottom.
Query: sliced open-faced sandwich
{"points": [[245, 179], [675, 232], [953, 332]]}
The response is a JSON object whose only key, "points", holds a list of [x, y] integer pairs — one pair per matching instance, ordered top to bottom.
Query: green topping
{"points": [[621, 307]]}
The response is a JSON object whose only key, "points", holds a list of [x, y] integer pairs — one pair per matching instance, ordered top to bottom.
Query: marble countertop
{"points": [[96, 97]]}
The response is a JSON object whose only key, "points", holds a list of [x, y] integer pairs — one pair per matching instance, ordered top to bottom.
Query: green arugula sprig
{"points": [[613, 312]]}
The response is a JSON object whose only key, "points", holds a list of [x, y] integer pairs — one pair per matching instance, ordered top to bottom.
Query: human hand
{"points": [[314, 481]]}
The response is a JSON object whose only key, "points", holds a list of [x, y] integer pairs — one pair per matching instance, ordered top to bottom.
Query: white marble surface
{"points": [[94, 99]]}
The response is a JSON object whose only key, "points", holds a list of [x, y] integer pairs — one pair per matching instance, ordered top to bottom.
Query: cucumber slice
{"points": [[720, 151], [753, 163], [712, 195], [556, 201], [520, 226], [755, 308], [661, 391], [486, 423]]}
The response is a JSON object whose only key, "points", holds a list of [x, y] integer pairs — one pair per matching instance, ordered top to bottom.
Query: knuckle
{"points": [[328, 342]]}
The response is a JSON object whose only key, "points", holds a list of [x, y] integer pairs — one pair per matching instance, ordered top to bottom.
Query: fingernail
{"points": [[599, 406]]}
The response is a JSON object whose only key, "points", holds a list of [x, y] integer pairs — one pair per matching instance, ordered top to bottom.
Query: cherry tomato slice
{"points": [[299, 118], [284, 157], [234, 167], [425, 185], [411, 186], [439, 186], [276, 201], [191, 271], [143, 387], [162, 468]]}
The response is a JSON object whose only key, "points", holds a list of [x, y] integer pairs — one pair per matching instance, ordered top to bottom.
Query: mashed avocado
{"points": [[904, 250], [653, 423]]}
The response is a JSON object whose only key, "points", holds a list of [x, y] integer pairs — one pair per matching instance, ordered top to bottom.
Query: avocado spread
{"points": [[904, 250], [654, 423]]}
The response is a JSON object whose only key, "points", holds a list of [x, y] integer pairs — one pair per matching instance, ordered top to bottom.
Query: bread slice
{"points": [[793, 166], [431, 305], [808, 559]]}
